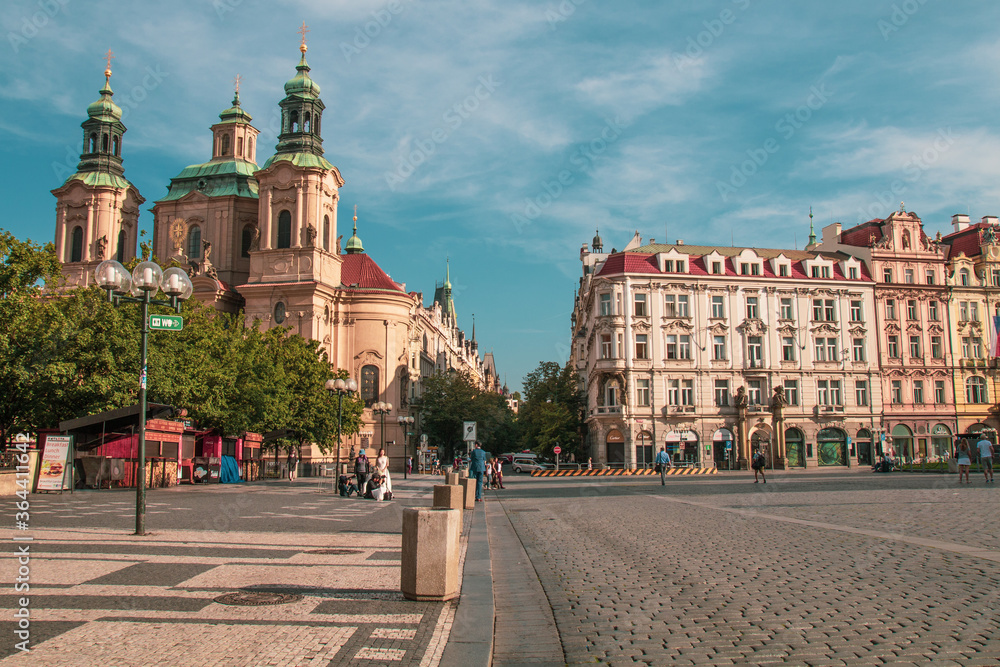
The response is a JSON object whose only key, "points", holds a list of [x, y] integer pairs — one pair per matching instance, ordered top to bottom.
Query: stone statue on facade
{"points": [[310, 235], [255, 239], [339, 239], [102, 247], [742, 401], [778, 402]]}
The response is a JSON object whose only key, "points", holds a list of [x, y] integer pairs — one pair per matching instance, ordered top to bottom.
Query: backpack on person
{"points": [[758, 460], [361, 465]]}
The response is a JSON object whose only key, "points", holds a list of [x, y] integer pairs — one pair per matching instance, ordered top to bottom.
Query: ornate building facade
{"points": [[264, 241], [686, 347]]}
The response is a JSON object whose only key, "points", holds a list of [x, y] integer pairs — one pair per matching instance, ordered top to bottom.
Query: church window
{"points": [[295, 121], [305, 124], [93, 142], [104, 143], [116, 145], [225, 145], [239, 147], [250, 148], [284, 230], [326, 233], [246, 241], [194, 242], [76, 252], [120, 254], [279, 312], [369, 385]]}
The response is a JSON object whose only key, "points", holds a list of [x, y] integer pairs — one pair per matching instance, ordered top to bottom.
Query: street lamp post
{"points": [[144, 281], [340, 387], [382, 409], [405, 423]]}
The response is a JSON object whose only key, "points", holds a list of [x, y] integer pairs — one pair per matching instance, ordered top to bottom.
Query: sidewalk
{"points": [[219, 597]]}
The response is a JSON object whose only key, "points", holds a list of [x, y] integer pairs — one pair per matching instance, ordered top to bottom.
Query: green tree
{"points": [[448, 399], [550, 413]]}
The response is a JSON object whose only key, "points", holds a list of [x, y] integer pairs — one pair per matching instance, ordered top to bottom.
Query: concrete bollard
{"points": [[463, 473], [451, 478], [468, 485], [450, 496], [430, 553]]}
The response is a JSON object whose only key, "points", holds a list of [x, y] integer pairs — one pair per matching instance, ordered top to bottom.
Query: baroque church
{"points": [[263, 240]]}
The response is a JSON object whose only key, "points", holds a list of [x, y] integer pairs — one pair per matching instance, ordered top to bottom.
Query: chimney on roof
{"points": [[991, 219], [959, 221], [652, 241], [680, 241]]}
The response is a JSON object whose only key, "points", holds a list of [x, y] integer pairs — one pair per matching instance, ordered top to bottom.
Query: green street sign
{"points": [[166, 322]]}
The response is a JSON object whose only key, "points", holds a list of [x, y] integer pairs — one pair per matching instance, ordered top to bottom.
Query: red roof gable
{"points": [[861, 235], [966, 241], [359, 271]]}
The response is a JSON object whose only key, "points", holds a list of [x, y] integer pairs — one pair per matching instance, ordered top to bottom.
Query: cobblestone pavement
{"points": [[841, 568], [103, 596]]}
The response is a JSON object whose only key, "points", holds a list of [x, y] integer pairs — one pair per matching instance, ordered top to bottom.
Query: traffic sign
{"points": [[166, 322], [469, 431], [557, 449]]}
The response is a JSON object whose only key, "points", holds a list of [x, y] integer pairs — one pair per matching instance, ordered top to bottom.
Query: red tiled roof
{"points": [[861, 235], [966, 241], [645, 263], [359, 271]]}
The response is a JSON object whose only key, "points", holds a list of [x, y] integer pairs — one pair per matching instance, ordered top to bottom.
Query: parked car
{"points": [[528, 465]]}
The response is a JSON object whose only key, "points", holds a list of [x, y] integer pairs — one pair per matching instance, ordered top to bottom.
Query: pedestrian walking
{"points": [[985, 448], [964, 457], [292, 462], [590, 463], [662, 463], [757, 463], [409, 465], [477, 466], [362, 468], [382, 468], [499, 472]]}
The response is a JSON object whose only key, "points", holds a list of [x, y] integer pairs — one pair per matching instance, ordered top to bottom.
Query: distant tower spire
{"points": [[812, 234], [354, 243], [473, 327]]}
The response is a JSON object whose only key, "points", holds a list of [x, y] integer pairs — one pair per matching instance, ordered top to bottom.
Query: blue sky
{"points": [[501, 133]]}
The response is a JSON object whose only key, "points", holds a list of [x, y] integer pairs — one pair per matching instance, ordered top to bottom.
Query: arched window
{"points": [[295, 121], [305, 124], [93, 142], [104, 143], [116, 145], [225, 145], [239, 147], [250, 148], [284, 230], [326, 233], [246, 241], [194, 242], [76, 250], [120, 254], [963, 277], [425, 343], [369, 385], [975, 390]]}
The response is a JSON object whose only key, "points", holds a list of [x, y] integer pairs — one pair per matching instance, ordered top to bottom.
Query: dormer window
{"points": [[717, 268], [783, 271], [852, 273], [963, 277]]}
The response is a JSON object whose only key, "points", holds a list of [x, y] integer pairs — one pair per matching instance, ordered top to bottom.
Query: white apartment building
{"points": [[665, 335]]}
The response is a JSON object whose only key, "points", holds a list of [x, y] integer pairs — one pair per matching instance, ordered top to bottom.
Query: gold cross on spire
{"points": [[302, 31], [107, 68], [236, 83]]}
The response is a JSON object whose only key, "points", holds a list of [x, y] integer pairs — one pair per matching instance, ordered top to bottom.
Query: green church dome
{"points": [[301, 83]]}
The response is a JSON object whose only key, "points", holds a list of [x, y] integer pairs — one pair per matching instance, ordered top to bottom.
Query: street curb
{"points": [[471, 640]]}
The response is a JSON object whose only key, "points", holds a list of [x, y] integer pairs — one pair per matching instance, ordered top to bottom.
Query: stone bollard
{"points": [[463, 473], [451, 478], [468, 485], [450, 496], [430, 553]]}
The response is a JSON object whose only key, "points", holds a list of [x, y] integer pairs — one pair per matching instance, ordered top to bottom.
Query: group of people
{"points": [[964, 459], [372, 482]]}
